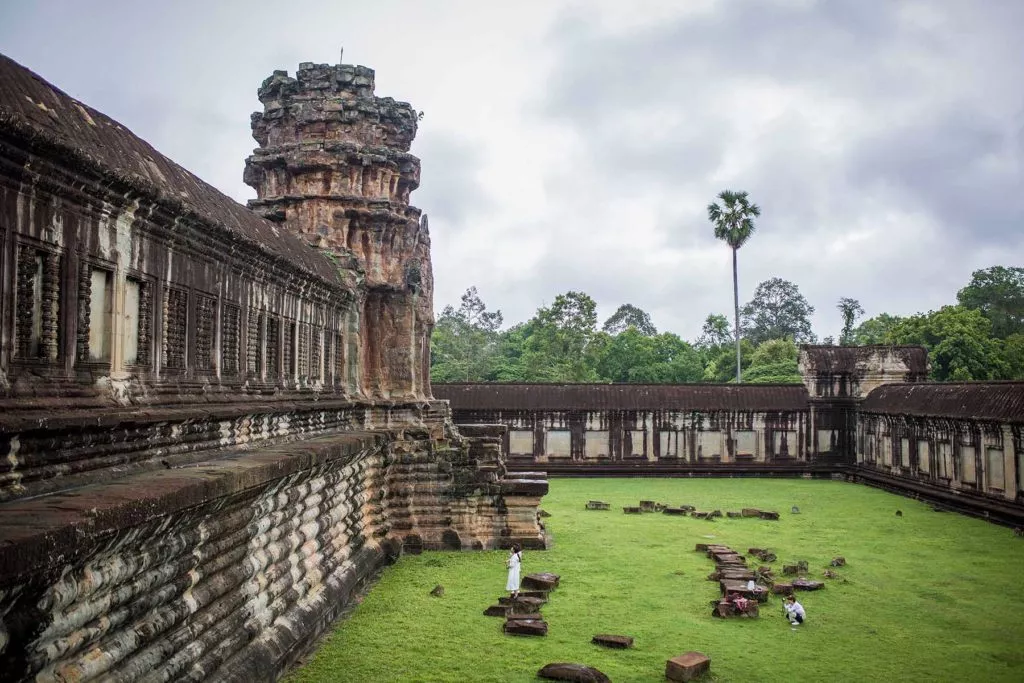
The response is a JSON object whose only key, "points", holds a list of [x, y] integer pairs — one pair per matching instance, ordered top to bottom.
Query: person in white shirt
{"points": [[515, 560], [794, 611]]}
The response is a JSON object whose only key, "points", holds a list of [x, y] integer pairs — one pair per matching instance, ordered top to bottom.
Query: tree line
{"points": [[980, 337]]}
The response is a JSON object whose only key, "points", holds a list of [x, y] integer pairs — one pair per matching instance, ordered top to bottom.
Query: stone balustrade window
{"points": [[36, 303], [95, 310], [138, 316], [230, 325], [206, 326], [175, 328], [255, 338], [273, 348], [316, 348], [288, 351], [304, 356], [339, 357]]}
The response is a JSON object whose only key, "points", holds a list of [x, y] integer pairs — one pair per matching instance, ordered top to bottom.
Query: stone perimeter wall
{"points": [[864, 413], [197, 465]]}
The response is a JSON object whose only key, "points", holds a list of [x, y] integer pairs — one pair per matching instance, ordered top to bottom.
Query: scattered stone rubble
{"points": [[522, 613]]}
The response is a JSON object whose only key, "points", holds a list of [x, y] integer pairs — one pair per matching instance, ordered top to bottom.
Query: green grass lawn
{"points": [[924, 597]]}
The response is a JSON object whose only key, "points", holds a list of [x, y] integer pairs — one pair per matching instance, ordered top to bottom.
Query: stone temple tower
{"points": [[333, 165]]}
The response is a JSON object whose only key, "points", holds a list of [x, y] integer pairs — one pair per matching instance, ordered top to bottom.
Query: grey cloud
{"points": [[450, 188]]}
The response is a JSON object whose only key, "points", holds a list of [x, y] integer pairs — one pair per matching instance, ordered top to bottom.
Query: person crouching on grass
{"points": [[514, 561], [794, 611]]}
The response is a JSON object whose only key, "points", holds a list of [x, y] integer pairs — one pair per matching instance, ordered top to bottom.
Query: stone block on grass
{"points": [[597, 505], [648, 505], [631, 510], [674, 511], [750, 512], [768, 514], [543, 581], [807, 585], [781, 588], [523, 604], [496, 611], [526, 627], [613, 641], [688, 666], [579, 673]]}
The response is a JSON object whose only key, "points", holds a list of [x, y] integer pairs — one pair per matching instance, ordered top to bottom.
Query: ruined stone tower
{"points": [[334, 167]]}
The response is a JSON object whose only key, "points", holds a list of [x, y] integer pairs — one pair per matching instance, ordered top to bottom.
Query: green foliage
{"points": [[733, 219], [998, 292], [850, 309], [777, 311], [629, 315], [875, 330], [715, 333], [959, 342], [464, 343], [1013, 356], [634, 357], [775, 361], [721, 365], [923, 597]]}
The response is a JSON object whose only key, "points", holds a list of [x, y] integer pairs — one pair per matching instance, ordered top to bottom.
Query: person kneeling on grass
{"points": [[794, 611]]}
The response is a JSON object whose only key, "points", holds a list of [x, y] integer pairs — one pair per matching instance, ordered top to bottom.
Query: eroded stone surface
{"points": [[544, 581], [526, 627], [613, 641], [688, 666], [579, 673]]}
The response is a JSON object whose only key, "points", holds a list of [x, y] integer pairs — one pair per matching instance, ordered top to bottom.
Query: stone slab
{"points": [[544, 581], [496, 611], [526, 627], [613, 641], [688, 666], [580, 673]]}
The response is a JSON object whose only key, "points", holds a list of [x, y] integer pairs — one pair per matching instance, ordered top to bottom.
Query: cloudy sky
{"points": [[575, 144]]}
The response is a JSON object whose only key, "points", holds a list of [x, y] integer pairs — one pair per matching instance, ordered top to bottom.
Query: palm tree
{"points": [[734, 225]]}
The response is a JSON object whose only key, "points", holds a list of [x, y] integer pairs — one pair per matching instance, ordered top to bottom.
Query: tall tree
{"points": [[734, 224], [998, 292], [851, 310], [778, 311], [628, 316], [875, 330], [715, 332], [464, 340], [959, 342], [559, 348], [774, 361]]}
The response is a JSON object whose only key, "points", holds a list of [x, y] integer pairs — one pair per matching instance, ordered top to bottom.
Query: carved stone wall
{"points": [[165, 515]]}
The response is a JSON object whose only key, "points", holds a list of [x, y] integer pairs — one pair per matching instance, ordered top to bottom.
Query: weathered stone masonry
{"points": [[862, 413], [213, 425]]}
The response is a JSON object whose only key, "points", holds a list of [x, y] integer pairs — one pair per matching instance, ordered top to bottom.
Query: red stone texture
{"points": [[688, 666]]}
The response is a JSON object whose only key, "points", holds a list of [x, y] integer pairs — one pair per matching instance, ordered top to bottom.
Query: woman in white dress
{"points": [[515, 560]]}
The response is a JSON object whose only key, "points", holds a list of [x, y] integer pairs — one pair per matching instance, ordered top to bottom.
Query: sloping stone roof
{"points": [[50, 122], [848, 359], [704, 397], [1001, 401]]}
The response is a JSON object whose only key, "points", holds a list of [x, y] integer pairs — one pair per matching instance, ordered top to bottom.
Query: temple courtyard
{"points": [[924, 595]]}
